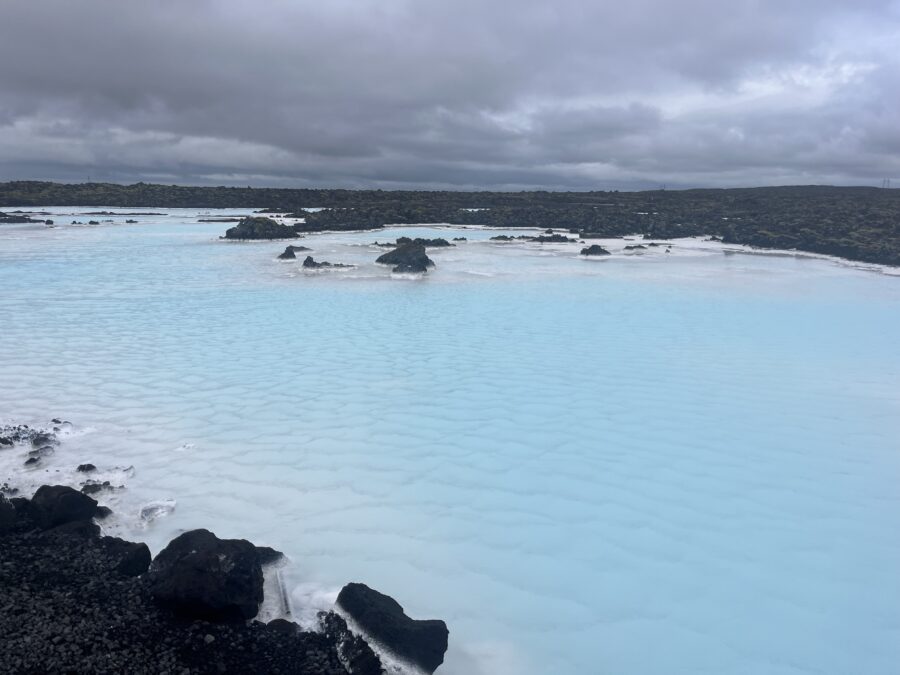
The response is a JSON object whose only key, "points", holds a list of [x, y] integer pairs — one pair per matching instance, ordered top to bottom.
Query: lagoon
{"points": [[654, 463]]}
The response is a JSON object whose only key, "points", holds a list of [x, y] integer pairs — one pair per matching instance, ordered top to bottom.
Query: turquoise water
{"points": [[666, 463]]}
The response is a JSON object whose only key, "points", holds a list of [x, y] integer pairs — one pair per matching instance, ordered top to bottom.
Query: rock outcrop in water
{"points": [[12, 218], [258, 227], [551, 239], [437, 242], [594, 249], [290, 252], [408, 258], [310, 264], [200, 576], [421, 642]]}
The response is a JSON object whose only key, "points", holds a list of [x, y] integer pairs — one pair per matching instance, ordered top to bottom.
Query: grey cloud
{"points": [[465, 94]]}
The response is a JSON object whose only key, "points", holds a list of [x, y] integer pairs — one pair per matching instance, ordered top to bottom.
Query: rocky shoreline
{"points": [[74, 600]]}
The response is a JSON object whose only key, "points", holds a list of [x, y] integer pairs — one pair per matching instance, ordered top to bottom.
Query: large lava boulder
{"points": [[259, 228], [594, 249], [409, 257], [55, 505], [200, 576], [422, 642]]}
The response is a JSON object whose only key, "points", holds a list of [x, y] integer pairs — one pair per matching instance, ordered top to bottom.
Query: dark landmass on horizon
{"points": [[859, 223]]}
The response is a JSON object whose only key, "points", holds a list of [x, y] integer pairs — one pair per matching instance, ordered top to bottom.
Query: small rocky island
{"points": [[260, 228], [407, 258]]}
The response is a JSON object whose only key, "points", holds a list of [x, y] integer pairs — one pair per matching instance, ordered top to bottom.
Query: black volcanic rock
{"points": [[6, 218], [259, 228], [551, 239], [428, 243], [634, 247], [594, 249], [289, 252], [409, 256], [310, 263], [408, 268], [43, 440], [86, 468], [92, 487], [56, 505], [7, 515], [81, 529], [268, 555], [128, 558], [201, 576], [72, 605], [422, 642], [355, 653]]}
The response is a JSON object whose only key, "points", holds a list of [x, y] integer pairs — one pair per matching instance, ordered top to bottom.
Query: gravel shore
{"points": [[65, 609]]}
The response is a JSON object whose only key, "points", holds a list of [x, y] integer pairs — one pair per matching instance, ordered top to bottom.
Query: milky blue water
{"points": [[649, 464]]}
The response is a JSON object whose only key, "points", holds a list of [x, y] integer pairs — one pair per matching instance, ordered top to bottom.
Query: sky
{"points": [[461, 94]]}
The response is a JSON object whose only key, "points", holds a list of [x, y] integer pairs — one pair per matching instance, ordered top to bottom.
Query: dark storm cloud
{"points": [[458, 94]]}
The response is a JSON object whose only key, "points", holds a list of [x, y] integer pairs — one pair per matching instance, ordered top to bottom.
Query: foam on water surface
{"points": [[655, 463]]}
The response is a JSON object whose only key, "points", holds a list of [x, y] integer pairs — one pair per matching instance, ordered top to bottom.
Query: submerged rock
{"points": [[260, 228], [634, 247], [594, 249], [409, 257], [404, 268], [43, 440], [92, 487], [154, 510], [201, 576], [422, 642]]}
